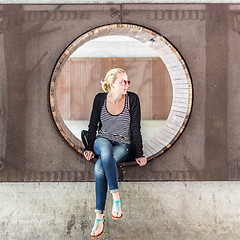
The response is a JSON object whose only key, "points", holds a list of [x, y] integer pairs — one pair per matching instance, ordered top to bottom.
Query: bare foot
{"points": [[100, 226]]}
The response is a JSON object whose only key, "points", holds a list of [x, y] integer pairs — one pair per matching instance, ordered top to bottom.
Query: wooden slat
{"points": [[158, 46], [161, 46], [169, 57], [175, 64], [174, 67], [174, 72], [177, 77], [179, 81], [181, 86], [181, 90], [180, 95], [181, 100], [180, 104], [179, 109], [180, 114], [176, 118], [176, 122], [173, 126], [170, 130], [167, 134], [162, 141], [152, 143], [159, 144], [151, 147], [147, 149], [146, 154]]}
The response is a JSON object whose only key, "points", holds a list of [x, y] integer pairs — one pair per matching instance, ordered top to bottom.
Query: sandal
{"points": [[117, 207], [95, 228]]}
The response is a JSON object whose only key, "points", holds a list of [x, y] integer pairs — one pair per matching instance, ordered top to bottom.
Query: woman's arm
{"points": [[94, 121], [136, 125], [136, 131]]}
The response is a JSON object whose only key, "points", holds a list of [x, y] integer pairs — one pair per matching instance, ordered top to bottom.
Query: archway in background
{"points": [[179, 76]]}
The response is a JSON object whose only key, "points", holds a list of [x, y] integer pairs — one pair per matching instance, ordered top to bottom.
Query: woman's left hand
{"points": [[88, 155], [141, 161]]}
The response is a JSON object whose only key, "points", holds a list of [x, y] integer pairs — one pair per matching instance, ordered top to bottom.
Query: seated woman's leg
{"points": [[104, 149], [121, 153], [110, 154], [100, 186], [101, 194]]}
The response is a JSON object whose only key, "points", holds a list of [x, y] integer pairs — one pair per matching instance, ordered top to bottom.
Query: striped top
{"points": [[116, 127]]}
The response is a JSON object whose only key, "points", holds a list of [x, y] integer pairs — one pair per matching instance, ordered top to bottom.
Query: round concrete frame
{"points": [[179, 74]]}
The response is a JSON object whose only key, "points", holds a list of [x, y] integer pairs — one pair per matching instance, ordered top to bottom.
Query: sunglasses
{"points": [[125, 82]]}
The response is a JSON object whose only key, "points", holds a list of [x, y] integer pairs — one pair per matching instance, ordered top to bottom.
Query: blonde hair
{"points": [[111, 77]]}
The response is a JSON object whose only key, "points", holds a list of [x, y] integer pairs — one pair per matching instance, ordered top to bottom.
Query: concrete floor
{"points": [[152, 210]]}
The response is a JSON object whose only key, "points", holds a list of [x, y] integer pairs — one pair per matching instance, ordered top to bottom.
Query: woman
{"points": [[116, 115]]}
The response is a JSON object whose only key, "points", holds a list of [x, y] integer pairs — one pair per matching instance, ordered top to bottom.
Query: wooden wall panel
{"points": [[80, 81], [85, 83], [162, 90]]}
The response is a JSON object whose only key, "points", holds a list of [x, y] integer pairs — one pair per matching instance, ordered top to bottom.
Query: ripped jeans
{"points": [[106, 174]]}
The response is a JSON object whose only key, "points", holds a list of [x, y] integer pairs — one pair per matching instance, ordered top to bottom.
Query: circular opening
{"points": [[156, 139]]}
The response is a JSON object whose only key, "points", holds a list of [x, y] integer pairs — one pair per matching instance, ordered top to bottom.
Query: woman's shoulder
{"points": [[100, 96], [133, 97], [133, 100]]}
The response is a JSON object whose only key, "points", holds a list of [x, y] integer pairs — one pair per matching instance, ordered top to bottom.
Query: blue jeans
{"points": [[106, 174]]}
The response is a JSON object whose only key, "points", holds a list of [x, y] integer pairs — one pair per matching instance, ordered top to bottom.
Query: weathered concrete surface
{"points": [[33, 38], [3, 105], [160, 210]]}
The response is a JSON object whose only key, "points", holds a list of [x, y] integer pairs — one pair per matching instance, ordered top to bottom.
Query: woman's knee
{"points": [[103, 147], [121, 153]]}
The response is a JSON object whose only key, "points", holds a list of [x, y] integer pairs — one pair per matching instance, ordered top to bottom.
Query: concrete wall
{"points": [[34, 36], [154, 211]]}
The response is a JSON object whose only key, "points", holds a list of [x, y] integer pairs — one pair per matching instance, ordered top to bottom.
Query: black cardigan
{"points": [[135, 112]]}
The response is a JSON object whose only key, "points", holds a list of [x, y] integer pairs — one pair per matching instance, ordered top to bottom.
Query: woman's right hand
{"points": [[88, 155]]}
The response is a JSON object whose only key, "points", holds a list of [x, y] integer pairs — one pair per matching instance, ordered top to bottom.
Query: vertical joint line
{"points": [[121, 14]]}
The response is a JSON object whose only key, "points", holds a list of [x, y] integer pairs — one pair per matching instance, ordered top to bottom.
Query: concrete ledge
{"points": [[159, 210]]}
